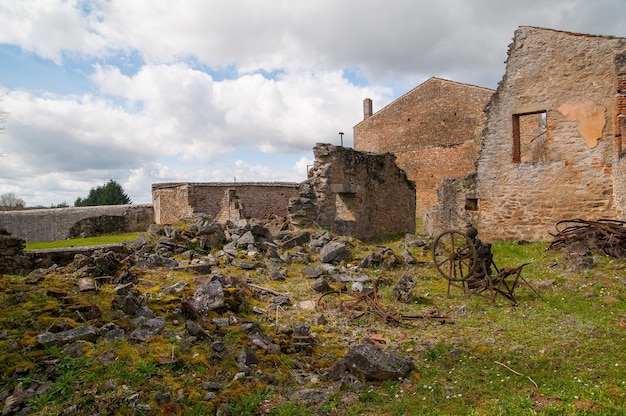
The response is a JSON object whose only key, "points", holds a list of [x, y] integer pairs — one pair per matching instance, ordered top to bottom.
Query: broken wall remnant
{"points": [[434, 131], [552, 147], [452, 194], [364, 195], [175, 201], [232, 208]]}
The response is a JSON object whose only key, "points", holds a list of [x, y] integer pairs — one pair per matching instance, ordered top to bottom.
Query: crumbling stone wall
{"points": [[571, 79], [619, 126], [434, 131], [365, 195], [174, 201], [456, 206], [57, 223], [13, 260]]}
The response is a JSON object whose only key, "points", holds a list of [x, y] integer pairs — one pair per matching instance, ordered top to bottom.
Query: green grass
{"points": [[82, 242]]}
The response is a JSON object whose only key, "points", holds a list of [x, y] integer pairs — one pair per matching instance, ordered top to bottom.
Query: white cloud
{"points": [[48, 28], [209, 90]]}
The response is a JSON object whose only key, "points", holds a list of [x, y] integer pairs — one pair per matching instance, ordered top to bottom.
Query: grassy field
{"points": [[82, 242], [563, 353]]}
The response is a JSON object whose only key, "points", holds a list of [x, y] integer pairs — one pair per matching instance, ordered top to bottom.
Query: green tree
{"points": [[111, 193]]}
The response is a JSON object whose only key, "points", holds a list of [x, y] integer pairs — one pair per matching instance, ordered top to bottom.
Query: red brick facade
{"points": [[433, 130]]}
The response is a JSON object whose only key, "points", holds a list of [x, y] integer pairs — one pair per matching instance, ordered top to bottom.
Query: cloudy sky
{"points": [[150, 91]]}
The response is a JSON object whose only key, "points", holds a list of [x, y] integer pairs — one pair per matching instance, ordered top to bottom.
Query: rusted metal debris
{"points": [[606, 236], [367, 302]]}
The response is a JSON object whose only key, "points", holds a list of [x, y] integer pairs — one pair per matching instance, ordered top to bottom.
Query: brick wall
{"points": [[434, 130], [432, 165], [174, 201], [55, 223]]}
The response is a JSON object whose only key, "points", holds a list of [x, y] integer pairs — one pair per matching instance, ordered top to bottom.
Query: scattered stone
{"points": [[246, 239], [299, 239], [334, 252], [407, 257], [371, 260], [153, 261], [246, 265], [200, 268], [313, 272], [278, 275], [349, 278], [320, 285], [176, 287], [357, 287], [403, 289], [208, 297], [280, 300], [130, 304], [307, 305], [221, 322], [150, 328], [195, 330], [83, 333], [117, 333], [218, 346], [246, 359], [371, 363], [337, 370], [210, 385], [313, 396]]}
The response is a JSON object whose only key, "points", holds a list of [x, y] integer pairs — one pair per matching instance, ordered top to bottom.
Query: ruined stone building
{"points": [[434, 131], [553, 144], [361, 194], [221, 200]]}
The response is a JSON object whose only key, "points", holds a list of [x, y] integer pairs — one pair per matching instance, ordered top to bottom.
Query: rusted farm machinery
{"points": [[467, 263]]}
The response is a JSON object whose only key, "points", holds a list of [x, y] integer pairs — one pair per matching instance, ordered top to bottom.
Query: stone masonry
{"points": [[433, 130], [552, 147], [364, 195], [175, 201], [61, 223]]}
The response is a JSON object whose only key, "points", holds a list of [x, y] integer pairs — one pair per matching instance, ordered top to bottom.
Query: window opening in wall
{"points": [[530, 137], [471, 204], [346, 205]]}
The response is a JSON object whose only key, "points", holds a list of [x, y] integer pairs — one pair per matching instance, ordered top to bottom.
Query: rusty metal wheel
{"points": [[454, 255]]}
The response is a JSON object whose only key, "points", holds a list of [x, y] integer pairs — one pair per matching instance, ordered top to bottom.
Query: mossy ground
{"points": [[563, 353]]}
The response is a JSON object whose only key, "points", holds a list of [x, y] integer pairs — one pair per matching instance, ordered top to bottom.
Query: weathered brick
{"points": [[434, 131]]}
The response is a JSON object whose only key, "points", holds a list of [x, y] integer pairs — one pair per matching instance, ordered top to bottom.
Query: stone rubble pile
{"points": [[205, 249]]}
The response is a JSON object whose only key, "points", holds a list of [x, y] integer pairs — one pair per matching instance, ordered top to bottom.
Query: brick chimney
{"points": [[367, 108]]}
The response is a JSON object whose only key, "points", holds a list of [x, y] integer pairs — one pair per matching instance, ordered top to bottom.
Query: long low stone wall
{"points": [[61, 223]]}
